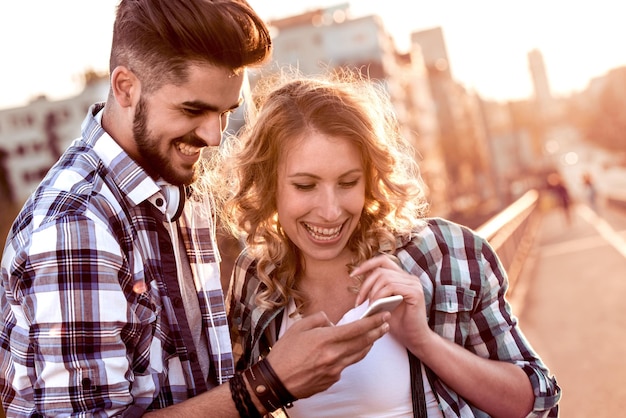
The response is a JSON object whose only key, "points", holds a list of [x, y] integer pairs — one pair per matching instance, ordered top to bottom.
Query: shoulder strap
{"points": [[417, 387]]}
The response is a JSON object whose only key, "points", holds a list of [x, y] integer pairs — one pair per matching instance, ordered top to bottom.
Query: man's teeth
{"points": [[188, 149], [323, 233]]}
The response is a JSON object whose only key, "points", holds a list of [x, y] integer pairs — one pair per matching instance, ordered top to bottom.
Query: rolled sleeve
{"points": [[507, 342]]}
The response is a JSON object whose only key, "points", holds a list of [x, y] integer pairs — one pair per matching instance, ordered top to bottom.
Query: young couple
{"points": [[112, 302]]}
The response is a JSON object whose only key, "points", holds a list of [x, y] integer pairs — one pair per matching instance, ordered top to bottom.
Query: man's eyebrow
{"points": [[198, 104]]}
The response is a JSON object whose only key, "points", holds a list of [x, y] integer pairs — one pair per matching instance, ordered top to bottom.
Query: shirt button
{"points": [[159, 202], [178, 302]]}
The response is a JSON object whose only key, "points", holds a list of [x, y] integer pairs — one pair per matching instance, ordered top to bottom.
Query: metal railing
{"points": [[617, 200], [512, 232]]}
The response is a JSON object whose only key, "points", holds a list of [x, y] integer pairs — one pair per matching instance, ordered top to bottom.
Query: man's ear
{"points": [[125, 86]]}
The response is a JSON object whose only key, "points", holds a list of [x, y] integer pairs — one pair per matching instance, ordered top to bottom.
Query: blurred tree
{"points": [[91, 76], [606, 124]]}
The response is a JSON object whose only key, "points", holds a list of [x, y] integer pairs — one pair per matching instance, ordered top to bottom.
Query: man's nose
{"points": [[210, 130]]}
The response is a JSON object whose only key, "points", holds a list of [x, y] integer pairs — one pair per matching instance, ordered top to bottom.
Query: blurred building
{"points": [[326, 39], [539, 76], [541, 85], [600, 112], [512, 131], [33, 137], [463, 139], [474, 155]]}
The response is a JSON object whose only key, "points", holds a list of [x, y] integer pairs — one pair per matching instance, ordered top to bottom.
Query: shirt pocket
{"points": [[453, 308]]}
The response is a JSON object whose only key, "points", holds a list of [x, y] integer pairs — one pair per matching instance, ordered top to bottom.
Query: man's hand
{"points": [[311, 355]]}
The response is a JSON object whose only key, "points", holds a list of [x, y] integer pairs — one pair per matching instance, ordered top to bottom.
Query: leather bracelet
{"points": [[267, 386], [262, 389], [285, 397]]}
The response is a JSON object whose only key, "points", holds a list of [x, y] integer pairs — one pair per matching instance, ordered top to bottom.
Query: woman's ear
{"points": [[125, 86]]}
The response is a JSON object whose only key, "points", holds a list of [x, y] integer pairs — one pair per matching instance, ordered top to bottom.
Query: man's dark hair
{"points": [[159, 39]]}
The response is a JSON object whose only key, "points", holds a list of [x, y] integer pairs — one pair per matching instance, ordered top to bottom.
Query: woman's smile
{"points": [[326, 234]]}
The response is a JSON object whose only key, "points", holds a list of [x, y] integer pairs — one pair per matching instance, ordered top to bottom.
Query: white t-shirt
{"points": [[377, 386]]}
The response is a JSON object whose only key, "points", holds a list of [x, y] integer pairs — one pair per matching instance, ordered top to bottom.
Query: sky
{"points": [[45, 45]]}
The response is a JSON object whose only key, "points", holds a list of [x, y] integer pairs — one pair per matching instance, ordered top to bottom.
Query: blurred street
{"points": [[570, 302]]}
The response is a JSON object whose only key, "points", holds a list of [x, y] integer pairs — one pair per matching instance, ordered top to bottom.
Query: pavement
{"points": [[570, 301]]}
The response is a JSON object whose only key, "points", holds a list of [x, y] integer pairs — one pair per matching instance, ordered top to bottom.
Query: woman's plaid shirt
{"points": [[464, 289]]}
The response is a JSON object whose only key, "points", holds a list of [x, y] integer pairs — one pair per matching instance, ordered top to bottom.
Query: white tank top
{"points": [[377, 386]]}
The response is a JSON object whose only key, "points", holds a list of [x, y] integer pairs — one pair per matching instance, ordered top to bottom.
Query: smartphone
{"points": [[383, 304]]}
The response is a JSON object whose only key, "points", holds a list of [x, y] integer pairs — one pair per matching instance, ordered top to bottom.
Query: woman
{"points": [[330, 202]]}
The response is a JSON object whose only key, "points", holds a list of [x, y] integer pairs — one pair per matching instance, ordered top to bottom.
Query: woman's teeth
{"points": [[323, 234]]}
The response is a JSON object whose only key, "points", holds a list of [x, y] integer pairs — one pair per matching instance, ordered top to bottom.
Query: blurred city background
{"points": [[496, 157]]}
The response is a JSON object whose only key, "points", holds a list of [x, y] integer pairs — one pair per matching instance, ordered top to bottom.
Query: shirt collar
{"points": [[129, 176]]}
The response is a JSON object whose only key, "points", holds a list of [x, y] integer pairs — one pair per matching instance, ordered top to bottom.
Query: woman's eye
{"points": [[349, 184], [304, 186]]}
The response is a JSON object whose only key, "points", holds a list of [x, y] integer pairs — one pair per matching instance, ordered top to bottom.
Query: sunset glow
{"points": [[487, 40]]}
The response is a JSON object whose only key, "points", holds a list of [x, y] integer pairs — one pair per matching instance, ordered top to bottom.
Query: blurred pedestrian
{"points": [[591, 192], [562, 195]]}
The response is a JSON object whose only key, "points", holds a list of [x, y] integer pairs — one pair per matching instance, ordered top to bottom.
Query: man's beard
{"points": [[155, 163]]}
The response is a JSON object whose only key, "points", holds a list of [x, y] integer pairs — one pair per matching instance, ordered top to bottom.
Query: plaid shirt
{"points": [[464, 287], [93, 321]]}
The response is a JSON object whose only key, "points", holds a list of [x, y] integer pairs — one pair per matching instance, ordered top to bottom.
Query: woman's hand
{"points": [[384, 277], [499, 388]]}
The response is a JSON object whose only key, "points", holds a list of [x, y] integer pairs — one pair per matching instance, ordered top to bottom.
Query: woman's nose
{"points": [[330, 206]]}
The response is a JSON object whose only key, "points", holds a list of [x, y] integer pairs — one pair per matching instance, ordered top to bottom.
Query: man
{"points": [[111, 302]]}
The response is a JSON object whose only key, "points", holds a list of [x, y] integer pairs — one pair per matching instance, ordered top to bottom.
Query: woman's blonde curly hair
{"points": [[288, 106]]}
